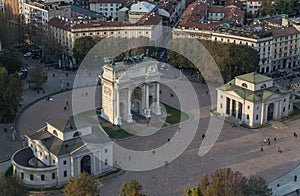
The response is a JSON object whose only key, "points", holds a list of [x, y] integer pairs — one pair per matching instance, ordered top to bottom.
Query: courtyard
{"points": [[236, 147]]}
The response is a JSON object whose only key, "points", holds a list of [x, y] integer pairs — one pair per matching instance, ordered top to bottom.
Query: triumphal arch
{"points": [[130, 87]]}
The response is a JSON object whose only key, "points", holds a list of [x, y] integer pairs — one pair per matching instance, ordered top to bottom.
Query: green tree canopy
{"points": [[82, 46], [53, 49], [232, 59], [10, 61], [37, 76], [10, 92], [226, 182], [11, 186], [83, 186], [132, 188]]}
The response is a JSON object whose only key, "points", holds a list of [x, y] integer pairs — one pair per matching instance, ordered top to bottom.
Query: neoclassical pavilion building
{"points": [[130, 87], [253, 99], [62, 149]]}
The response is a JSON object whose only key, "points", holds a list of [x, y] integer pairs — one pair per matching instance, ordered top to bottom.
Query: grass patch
{"points": [[296, 114], [174, 115], [115, 133], [116, 170]]}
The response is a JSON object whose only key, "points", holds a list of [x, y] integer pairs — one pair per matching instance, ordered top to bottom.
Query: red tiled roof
{"points": [[106, 1], [236, 3], [194, 13], [149, 19], [284, 31]]}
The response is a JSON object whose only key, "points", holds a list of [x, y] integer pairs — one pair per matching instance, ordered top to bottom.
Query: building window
{"points": [[244, 85], [263, 86], [221, 96], [284, 100], [221, 105], [289, 106], [248, 107], [257, 107], [283, 109], [247, 116], [256, 116], [55, 133], [105, 150], [41, 154], [53, 161], [65, 162], [105, 163], [65, 173], [22, 175], [53, 175], [31, 177], [42, 177]]}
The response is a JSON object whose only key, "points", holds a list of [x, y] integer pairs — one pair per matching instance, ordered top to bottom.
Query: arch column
{"points": [[157, 108], [147, 109], [129, 115], [119, 119]]}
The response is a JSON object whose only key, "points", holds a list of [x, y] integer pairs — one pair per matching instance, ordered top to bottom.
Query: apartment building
{"points": [[11, 7], [109, 8], [39, 13], [66, 31], [276, 39]]}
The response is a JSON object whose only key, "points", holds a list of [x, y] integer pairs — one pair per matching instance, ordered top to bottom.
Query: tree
{"points": [[266, 8], [16, 33], [82, 46], [53, 49], [232, 59], [10, 61], [37, 76], [10, 91], [226, 182], [11, 185], [83, 186], [257, 186], [132, 188], [193, 192]]}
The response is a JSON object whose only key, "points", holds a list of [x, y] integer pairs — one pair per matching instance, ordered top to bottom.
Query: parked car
{"points": [[28, 54]]}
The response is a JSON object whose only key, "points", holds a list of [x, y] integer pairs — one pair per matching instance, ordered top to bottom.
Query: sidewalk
{"points": [[287, 183]]}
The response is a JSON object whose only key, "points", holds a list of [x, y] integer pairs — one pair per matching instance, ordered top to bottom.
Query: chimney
{"points": [[285, 21]]}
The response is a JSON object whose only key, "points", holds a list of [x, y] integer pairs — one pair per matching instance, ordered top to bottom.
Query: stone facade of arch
{"points": [[128, 88]]}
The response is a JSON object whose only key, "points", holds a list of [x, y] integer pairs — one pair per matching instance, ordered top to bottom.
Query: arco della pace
{"points": [[129, 87]]}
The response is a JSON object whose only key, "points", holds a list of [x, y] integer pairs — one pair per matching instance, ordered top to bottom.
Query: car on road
{"points": [[28, 54]]}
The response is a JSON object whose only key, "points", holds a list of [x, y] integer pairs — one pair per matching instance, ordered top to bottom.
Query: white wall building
{"points": [[252, 6], [109, 8], [140, 9], [39, 14], [66, 32], [253, 100], [61, 150]]}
